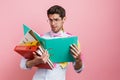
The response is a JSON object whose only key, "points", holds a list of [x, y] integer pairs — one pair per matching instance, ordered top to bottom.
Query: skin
{"points": [[56, 24]]}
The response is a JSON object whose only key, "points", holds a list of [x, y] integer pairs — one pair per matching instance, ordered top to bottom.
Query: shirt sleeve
{"points": [[23, 64], [79, 70]]}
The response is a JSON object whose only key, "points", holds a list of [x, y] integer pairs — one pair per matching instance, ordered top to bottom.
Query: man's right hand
{"points": [[38, 59]]}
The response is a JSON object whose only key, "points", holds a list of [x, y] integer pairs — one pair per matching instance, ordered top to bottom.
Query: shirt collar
{"points": [[58, 34]]}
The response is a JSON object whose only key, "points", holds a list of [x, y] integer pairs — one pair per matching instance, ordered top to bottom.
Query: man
{"points": [[56, 17]]}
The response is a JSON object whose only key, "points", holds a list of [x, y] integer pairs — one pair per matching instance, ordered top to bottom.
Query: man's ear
{"points": [[64, 18]]}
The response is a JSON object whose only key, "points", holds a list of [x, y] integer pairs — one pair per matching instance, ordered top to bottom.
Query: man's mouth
{"points": [[53, 27]]}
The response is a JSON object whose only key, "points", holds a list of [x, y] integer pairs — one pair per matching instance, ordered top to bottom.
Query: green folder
{"points": [[58, 48]]}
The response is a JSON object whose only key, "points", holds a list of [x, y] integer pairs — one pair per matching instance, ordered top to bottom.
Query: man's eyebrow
{"points": [[53, 18], [50, 19]]}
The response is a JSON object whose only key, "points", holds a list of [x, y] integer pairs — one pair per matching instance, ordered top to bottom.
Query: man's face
{"points": [[56, 22]]}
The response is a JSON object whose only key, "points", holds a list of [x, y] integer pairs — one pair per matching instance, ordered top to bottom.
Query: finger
{"points": [[76, 47], [73, 48], [41, 49], [79, 51], [38, 52], [73, 52], [34, 54], [44, 54], [47, 54], [74, 56], [77, 56], [45, 59]]}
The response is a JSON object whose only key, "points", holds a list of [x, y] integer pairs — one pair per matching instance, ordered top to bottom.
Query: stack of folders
{"points": [[30, 44]]}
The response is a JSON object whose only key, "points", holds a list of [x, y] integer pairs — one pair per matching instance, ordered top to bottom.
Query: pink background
{"points": [[96, 22]]}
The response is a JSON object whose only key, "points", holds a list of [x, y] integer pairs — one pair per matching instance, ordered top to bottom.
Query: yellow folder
{"points": [[33, 43]]}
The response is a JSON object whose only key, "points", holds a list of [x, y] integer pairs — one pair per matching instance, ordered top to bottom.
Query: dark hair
{"points": [[56, 9]]}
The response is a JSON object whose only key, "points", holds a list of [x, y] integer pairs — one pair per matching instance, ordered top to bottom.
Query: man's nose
{"points": [[53, 23]]}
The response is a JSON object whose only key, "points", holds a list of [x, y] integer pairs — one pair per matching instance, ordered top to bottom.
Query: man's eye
{"points": [[56, 19], [50, 20]]}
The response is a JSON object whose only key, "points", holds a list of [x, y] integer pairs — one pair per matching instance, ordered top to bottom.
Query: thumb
{"points": [[46, 52], [34, 54]]}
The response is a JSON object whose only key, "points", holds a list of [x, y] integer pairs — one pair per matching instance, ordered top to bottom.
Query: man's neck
{"points": [[56, 34]]}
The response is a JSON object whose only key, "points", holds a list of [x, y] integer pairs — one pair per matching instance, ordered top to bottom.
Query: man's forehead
{"points": [[54, 16]]}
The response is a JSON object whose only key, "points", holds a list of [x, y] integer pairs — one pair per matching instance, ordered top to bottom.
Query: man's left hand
{"points": [[75, 52], [77, 55]]}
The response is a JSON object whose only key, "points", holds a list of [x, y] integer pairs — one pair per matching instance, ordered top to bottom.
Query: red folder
{"points": [[27, 52]]}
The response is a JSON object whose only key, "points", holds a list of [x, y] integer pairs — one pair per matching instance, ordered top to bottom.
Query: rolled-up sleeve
{"points": [[23, 64]]}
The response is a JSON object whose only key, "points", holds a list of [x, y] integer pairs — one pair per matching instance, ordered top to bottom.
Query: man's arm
{"points": [[38, 59]]}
